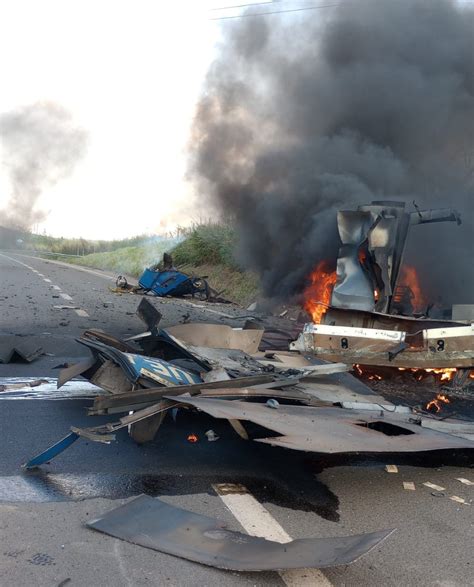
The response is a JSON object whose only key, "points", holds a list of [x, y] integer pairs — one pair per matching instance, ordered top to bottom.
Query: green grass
{"points": [[207, 244], [128, 260]]}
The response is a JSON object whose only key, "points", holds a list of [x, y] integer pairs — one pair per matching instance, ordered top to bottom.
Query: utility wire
{"points": [[245, 5], [276, 11]]}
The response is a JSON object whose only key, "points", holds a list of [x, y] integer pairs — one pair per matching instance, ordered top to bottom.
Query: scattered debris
{"points": [[165, 280], [12, 351], [317, 406], [211, 436], [391, 468], [409, 485], [152, 523]]}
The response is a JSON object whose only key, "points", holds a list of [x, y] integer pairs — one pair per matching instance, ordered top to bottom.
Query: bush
{"points": [[206, 244]]}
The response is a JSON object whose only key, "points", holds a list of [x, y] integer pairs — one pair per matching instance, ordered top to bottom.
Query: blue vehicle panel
{"points": [[161, 371]]}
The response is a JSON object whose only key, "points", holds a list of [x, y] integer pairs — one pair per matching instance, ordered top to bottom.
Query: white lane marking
{"points": [[16, 261], [71, 266], [65, 296], [16, 388], [391, 468], [464, 481], [434, 486], [458, 499], [258, 521]]}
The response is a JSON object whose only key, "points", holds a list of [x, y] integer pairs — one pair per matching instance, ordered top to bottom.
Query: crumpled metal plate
{"points": [[332, 430], [152, 523]]}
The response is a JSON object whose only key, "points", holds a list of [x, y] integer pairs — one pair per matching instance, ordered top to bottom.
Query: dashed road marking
{"points": [[70, 266], [65, 296], [464, 481], [434, 486], [458, 499], [257, 521]]}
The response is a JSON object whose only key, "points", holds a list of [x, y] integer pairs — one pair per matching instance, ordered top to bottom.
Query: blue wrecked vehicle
{"points": [[163, 279]]}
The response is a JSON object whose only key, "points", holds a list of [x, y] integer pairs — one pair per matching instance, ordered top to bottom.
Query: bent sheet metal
{"points": [[331, 429], [152, 523]]}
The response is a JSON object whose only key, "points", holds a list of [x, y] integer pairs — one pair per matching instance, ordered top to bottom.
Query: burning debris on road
{"points": [[369, 310], [302, 403]]}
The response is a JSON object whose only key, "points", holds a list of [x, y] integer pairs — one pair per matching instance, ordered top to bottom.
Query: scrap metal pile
{"points": [[304, 403], [309, 404]]}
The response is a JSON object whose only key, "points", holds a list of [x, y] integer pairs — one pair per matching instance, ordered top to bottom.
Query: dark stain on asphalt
{"points": [[46, 487]]}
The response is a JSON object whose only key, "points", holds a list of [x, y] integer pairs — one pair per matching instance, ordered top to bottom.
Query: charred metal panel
{"points": [[373, 242], [353, 288], [332, 430], [154, 524]]}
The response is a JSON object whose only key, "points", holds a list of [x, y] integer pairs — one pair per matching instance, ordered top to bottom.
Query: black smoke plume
{"points": [[304, 115], [40, 146]]}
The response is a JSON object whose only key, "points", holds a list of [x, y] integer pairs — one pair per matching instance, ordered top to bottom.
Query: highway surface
{"points": [[44, 541]]}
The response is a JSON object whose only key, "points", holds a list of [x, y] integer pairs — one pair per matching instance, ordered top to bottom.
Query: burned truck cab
{"points": [[373, 241]]}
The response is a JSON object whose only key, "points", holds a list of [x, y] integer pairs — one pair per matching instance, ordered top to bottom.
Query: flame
{"points": [[409, 278], [317, 294], [446, 374], [441, 375], [435, 403], [192, 438]]}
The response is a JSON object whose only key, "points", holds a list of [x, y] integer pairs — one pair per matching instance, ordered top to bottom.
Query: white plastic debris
{"points": [[273, 403], [211, 436], [391, 468]]}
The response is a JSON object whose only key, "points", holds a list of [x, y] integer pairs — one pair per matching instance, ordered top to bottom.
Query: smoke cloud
{"points": [[304, 115], [40, 146]]}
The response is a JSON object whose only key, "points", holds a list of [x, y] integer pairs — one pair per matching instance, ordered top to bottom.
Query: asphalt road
{"points": [[42, 513]]}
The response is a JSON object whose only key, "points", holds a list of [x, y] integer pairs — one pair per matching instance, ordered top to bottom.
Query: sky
{"points": [[130, 73]]}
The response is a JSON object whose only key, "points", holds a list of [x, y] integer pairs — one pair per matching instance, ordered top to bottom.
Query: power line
{"points": [[245, 5], [276, 11]]}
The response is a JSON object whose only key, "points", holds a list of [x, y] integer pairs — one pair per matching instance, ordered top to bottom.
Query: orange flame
{"points": [[409, 278], [317, 294], [435, 403], [192, 438]]}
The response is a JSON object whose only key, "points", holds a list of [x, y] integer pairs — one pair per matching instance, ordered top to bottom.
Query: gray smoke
{"points": [[302, 116], [40, 146]]}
